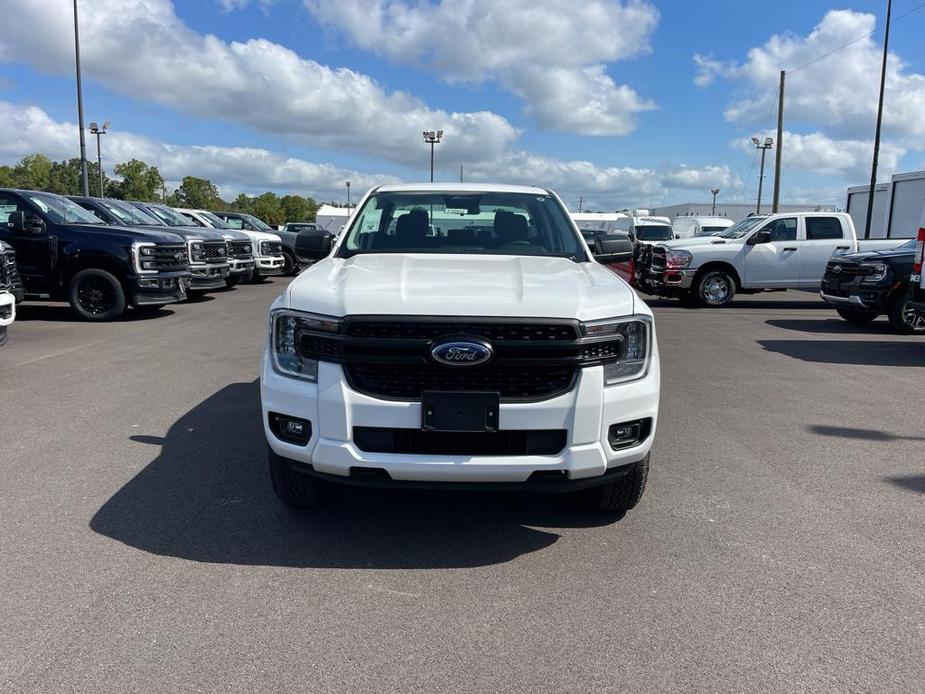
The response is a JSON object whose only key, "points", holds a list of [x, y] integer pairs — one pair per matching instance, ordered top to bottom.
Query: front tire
{"points": [[290, 265], [232, 281], [715, 288], [96, 295], [856, 317], [904, 320], [293, 489], [620, 496]]}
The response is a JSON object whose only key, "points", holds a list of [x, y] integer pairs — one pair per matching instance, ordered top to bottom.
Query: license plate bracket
{"points": [[454, 411]]}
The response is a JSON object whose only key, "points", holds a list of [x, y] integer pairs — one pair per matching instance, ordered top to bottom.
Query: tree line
{"points": [[137, 180]]}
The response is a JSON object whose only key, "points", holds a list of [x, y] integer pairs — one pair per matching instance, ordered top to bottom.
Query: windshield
{"points": [[61, 210], [129, 215], [168, 216], [216, 222], [258, 223], [464, 223], [300, 227], [740, 229], [713, 230], [654, 232]]}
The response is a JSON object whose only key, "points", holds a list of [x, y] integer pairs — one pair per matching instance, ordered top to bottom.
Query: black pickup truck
{"points": [[64, 253], [206, 254], [867, 284], [11, 290]]}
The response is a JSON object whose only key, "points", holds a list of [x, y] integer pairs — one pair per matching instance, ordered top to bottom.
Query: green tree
{"points": [[32, 172], [7, 177], [64, 178], [139, 181], [198, 193], [242, 203], [267, 208], [298, 209]]}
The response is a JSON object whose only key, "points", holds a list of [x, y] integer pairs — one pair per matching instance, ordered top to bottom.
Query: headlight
{"points": [[248, 248], [264, 248], [197, 252], [142, 256], [677, 259], [877, 271], [285, 327], [637, 340]]}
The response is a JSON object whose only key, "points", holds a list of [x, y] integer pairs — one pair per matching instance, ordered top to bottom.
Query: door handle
{"points": [[791, 248], [842, 248]]}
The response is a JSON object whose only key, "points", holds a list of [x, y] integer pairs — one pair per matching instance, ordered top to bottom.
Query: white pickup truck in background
{"points": [[778, 251]]}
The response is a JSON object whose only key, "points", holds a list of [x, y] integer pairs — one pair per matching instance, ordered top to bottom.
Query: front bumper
{"points": [[270, 265], [241, 267], [208, 276], [664, 280], [163, 288], [857, 296], [7, 314], [586, 412]]}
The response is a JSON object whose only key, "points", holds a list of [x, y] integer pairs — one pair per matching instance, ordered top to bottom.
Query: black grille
{"points": [[240, 249], [215, 251], [167, 258], [846, 270], [9, 273], [495, 332], [409, 381], [417, 441]]}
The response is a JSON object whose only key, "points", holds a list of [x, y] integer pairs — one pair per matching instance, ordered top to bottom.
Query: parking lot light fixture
{"points": [[97, 130], [432, 138], [764, 147], [347, 183]]}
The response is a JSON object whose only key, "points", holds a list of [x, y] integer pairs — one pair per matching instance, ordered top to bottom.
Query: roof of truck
{"points": [[460, 188]]}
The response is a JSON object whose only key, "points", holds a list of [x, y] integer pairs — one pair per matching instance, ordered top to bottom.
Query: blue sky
{"points": [[662, 126]]}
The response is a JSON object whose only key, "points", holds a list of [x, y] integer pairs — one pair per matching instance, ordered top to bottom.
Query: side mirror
{"points": [[26, 223], [762, 236], [313, 244], [612, 250]]}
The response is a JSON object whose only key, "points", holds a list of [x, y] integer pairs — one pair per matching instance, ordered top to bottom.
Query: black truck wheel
{"points": [[290, 264], [232, 280], [714, 288], [96, 295], [856, 317], [903, 319], [293, 489], [620, 496]]}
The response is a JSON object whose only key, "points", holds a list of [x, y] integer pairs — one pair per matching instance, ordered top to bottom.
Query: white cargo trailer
{"points": [[897, 206]]}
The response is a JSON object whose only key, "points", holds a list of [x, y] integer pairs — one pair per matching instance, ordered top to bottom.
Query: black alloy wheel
{"points": [[96, 295]]}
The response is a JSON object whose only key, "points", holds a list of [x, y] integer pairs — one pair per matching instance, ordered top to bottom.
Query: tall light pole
{"points": [[80, 110], [96, 130], [432, 138], [764, 147], [873, 166], [347, 183], [715, 192]]}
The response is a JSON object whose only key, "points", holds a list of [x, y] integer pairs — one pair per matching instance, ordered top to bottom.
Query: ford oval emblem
{"points": [[461, 353]]}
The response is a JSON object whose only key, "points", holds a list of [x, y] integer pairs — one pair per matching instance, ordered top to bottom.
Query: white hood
{"points": [[698, 241], [462, 285]]}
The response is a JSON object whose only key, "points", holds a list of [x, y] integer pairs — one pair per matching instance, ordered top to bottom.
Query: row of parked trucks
{"points": [[102, 255]]}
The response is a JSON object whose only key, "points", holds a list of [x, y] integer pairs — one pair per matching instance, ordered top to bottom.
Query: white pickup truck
{"points": [[778, 251], [489, 351]]}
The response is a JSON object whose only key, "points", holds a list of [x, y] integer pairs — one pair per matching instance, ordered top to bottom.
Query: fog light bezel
{"points": [[279, 426], [640, 430]]}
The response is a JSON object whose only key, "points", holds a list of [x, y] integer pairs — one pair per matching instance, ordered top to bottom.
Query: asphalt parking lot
{"points": [[780, 546]]}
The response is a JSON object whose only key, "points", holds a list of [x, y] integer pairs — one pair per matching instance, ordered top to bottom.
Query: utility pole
{"points": [[80, 111], [432, 138], [780, 143], [764, 147], [873, 167], [460, 173], [715, 192], [580, 202]]}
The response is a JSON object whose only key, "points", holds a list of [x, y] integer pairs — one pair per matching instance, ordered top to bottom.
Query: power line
{"points": [[854, 41]]}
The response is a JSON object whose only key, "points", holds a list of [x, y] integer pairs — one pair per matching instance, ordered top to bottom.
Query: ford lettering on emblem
{"points": [[836, 269], [461, 353]]}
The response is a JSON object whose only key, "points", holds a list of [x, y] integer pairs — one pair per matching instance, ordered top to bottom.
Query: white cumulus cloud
{"points": [[551, 53]]}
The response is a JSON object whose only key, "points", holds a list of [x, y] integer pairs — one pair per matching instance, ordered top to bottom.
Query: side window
{"points": [[9, 205], [194, 221], [233, 222], [818, 228], [783, 229]]}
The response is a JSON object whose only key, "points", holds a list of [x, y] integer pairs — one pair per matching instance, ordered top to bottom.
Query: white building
{"points": [[736, 211], [332, 218]]}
